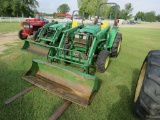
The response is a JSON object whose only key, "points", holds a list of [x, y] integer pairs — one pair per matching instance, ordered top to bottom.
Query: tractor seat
{"points": [[74, 24], [104, 24]]}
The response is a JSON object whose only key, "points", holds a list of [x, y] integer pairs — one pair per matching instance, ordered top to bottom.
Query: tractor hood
{"points": [[32, 19], [35, 23], [57, 25], [94, 29]]}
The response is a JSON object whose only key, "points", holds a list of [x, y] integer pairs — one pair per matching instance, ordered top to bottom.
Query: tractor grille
{"points": [[26, 25]]}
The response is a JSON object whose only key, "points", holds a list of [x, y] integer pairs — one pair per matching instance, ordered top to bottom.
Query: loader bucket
{"points": [[35, 47], [69, 84]]}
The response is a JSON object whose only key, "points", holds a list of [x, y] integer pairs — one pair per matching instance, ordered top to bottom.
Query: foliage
{"points": [[18, 7], [90, 7], [64, 8], [112, 10], [126, 13], [122, 14], [54, 15], [140, 15], [148, 16], [158, 18]]}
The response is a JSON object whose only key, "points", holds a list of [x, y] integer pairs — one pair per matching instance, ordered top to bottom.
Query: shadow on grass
{"points": [[11, 84], [122, 110]]}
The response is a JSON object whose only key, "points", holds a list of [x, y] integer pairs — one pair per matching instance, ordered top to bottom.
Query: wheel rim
{"points": [[119, 46], [107, 61], [140, 81]]}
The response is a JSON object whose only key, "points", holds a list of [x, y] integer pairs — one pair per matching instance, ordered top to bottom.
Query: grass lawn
{"points": [[8, 27], [113, 100]]}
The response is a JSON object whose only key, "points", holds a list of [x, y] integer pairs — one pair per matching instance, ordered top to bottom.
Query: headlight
{"points": [[27, 26]]}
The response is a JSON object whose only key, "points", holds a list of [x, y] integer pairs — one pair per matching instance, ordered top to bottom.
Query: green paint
{"points": [[93, 29], [51, 33], [112, 36], [86, 42], [64, 73]]}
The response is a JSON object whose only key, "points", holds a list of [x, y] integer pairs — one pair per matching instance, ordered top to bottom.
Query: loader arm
{"points": [[45, 27], [69, 33], [57, 34]]}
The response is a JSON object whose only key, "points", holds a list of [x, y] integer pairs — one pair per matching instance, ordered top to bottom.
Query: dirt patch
{"points": [[7, 39]]}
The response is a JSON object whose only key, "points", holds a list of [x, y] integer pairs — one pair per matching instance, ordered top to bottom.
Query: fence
{"points": [[11, 19], [20, 19]]}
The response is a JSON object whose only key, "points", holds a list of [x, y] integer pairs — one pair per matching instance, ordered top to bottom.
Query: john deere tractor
{"points": [[50, 35], [96, 42], [80, 47]]}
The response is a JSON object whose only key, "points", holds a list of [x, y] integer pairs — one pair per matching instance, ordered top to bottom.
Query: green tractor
{"points": [[50, 35], [96, 42], [80, 47]]}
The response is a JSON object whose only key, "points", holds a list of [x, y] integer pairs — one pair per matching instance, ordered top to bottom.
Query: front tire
{"points": [[21, 36], [117, 45], [102, 61], [147, 95]]}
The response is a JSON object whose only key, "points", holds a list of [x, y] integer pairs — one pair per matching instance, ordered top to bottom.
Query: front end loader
{"points": [[50, 35], [96, 42], [78, 47]]}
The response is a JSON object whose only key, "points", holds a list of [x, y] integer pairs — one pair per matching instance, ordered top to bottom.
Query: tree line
{"points": [[17, 8], [26, 8], [90, 8], [147, 16]]}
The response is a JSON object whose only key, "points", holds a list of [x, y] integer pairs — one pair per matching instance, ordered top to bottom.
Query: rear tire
{"points": [[35, 35], [21, 36], [117, 45], [102, 61], [147, 95]]}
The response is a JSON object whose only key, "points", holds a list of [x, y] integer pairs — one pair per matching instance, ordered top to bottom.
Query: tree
{"points": [[28, 6], [18, 7], [90, 7], [1, 8], [64, 8], [112, 12], [126, 13], [122, 14], [54, 15], [140, 15], [150, 16], [158, 18]]}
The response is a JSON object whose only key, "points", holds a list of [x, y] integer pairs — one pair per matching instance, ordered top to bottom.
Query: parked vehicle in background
{"points": [[132, 22], [31, 26]]}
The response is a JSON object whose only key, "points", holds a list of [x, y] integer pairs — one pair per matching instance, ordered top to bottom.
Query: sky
{"points": [[50, 6]]}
